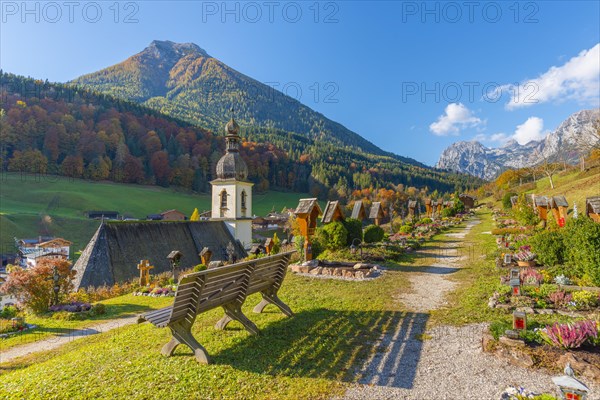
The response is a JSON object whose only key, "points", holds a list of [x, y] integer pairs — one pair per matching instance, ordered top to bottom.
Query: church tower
{"points": [[231, 191]]}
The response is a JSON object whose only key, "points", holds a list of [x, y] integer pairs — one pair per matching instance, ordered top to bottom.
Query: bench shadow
{"points": [[427, 269], [370, 347]]}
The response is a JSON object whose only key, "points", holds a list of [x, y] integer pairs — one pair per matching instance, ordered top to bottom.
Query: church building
{"points": [[231, 191]]}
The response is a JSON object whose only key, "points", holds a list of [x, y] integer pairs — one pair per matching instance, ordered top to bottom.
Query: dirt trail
{"points": [[58, 340], [444, 362]]}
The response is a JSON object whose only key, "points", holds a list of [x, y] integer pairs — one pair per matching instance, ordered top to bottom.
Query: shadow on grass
{"points": [[427, 269], [371, 347]]}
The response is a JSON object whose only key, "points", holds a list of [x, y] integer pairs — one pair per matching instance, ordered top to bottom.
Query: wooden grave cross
{"points": [[144, 267]]}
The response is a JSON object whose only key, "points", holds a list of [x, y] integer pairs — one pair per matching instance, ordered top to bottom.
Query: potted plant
{"points": [[525, 257]]}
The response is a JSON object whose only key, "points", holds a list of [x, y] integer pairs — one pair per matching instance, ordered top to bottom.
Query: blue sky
{"points": [[409, 76]]}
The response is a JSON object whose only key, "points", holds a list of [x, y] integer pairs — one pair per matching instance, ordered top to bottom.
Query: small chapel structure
{"points": [[231, 190]]}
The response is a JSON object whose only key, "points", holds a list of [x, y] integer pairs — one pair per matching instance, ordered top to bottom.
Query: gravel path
{"points": [[59, 340], [444, 362]]}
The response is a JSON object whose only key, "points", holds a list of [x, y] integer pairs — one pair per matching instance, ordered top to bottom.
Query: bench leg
{"points": [[272, 298], [235, 313], [181, 335], [170, 347]]}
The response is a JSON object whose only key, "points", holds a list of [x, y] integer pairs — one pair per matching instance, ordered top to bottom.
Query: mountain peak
{"points": [[167, 48], [475, 159]]}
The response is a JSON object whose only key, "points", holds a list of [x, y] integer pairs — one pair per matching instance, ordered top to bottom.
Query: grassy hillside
{"points": [[574, 185], [30, 206]]}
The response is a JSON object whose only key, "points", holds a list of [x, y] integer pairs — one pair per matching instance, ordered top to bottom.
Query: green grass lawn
{"points": [[31, 205], [117, 307], [307, 356], [310, 356]]}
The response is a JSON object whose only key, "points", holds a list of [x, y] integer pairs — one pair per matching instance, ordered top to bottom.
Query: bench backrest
{"points": [[202, 291]]}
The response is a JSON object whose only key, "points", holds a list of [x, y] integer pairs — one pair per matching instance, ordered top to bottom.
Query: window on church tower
{"points": [[224, 199], [244, 203]]}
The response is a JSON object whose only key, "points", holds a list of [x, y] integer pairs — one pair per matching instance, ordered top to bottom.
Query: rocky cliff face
{"points": [[476, 159]]}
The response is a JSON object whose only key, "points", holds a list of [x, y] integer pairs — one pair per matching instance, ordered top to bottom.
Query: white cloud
{"points": [[578, 79], [456, 117], [532, 129]]}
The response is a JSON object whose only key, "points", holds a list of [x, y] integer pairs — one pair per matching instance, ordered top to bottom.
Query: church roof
{"points": [[232, 165], [115, 249]]}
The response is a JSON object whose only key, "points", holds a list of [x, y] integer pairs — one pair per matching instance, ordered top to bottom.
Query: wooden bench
{"points": [[225, 287]]}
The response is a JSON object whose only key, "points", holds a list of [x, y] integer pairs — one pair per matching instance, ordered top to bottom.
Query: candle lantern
{"points": [[174, 258], [507, 258], [514, 273], [515, 285], [519, 321], [570, 387]]}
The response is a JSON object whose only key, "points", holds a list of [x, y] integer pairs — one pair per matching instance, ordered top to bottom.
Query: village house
{"points": [[109, 215], [173, 215], [30, 251]]}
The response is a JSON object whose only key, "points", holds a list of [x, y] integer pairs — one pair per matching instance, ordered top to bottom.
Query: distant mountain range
{"points": [[182, 80], [476, 159]]}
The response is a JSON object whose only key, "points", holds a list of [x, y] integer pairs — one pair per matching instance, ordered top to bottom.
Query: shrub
{"points": [[506, 203], [448, 212], [524, 213], [425, 220], [354, 228], [405, 229], [373, 234], [333, 236], [276, 244], [550, 247], [583, 247], [200, 267], [33, 287], [584, 299], [98, 309], [8, 312], [570, 336]]}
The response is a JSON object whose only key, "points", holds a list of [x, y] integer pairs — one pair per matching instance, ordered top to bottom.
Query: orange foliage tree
{"points": [[34, 286]]}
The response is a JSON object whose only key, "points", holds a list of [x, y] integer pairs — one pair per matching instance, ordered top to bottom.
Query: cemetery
{"points": [[549, 287], [311, 313]]}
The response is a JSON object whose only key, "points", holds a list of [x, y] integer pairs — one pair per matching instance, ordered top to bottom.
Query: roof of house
{"points": [[464, 195], [514, 200], [558, 201], [427, 202], [440, 202], [412, 203], [449, 203], [594, 204], [305, 206], [356, 210], [171, 211], [376, 211], [96, 212], [329, 212], [155, 217], [55, 242], [115, 249]]}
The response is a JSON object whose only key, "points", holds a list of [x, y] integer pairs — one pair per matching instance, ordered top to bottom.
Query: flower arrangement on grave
{"points": [[525, 254], [531, 276], [570, 335]]}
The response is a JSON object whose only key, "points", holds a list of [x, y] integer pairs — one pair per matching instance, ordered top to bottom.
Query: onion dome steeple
{"points": [[232, 165]]}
